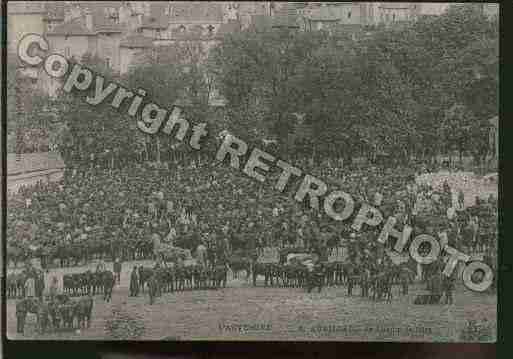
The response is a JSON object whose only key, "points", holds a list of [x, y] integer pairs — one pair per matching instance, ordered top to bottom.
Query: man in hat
{"points": [[201, 253], [100, 267], [117, 269], [134, 282], [30, 285], [53, 288]]}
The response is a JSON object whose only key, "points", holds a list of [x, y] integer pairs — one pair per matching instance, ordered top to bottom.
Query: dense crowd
{"points": [[127, 212]]}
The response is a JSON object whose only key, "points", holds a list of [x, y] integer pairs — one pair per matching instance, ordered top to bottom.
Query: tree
{"points": [[173, 76], [28, 120]]}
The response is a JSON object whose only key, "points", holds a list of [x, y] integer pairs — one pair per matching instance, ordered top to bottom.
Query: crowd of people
{"points": [[127, 212]]}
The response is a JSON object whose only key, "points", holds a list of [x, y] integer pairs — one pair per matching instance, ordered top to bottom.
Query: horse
{"points": [[240, 263], [144, 275], [314, 279], [23, 307], [83, 311]]}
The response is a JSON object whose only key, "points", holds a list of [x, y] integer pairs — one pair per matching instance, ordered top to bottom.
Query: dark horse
{"points": [[23, 307]]}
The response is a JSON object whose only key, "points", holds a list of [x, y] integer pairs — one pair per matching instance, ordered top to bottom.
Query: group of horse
{"points": [[181, 278], [89, 283], [374, 284], [60, 312]]}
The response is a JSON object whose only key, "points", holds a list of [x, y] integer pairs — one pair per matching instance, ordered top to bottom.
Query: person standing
{"points": [[201, 253], [100, 267], [117, 270], [134, 282], [39, 284], [30, 286], [53, 288], [448, 288]]}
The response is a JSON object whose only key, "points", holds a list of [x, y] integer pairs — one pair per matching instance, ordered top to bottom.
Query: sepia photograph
{"points": [[252, 171]]}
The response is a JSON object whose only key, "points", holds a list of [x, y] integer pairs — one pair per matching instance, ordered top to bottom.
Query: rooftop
{"points": [[396, 5], [26, 7], [54, 11], [191, 11], [323, 13], [286, 15], [158, 18], [102, 22], [75, 27], [137, 41]]}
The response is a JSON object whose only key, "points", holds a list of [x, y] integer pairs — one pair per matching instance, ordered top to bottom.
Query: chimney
{"points": [[88, 20]]}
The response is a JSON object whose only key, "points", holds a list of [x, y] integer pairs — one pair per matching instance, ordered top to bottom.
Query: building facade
{"points": [[122, 33]]}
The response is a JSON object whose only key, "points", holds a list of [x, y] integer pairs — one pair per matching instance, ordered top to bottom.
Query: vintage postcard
{"points": [[252, 171]]}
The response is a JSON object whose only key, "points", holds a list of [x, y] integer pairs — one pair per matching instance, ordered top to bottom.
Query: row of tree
{"points": [[424, 89]]}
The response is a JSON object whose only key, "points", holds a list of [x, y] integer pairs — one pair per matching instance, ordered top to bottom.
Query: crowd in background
{"points": [[214, 205]]}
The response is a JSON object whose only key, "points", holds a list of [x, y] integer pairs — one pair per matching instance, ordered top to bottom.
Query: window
{"points": [[349, 15], [393, 17], [182, 28], [210, 29], [157, 34], [66, 37], [67, 52], [107, 62], [33, 80]]}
